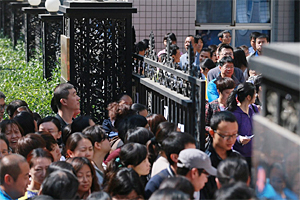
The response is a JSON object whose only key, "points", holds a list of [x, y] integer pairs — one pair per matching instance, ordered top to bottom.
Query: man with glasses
{"points": [[225, 37], [222, 51], [226, 70], [2, 105], [224, 131], [196, 166]]}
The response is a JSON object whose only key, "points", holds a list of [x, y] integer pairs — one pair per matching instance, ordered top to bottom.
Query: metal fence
{"points": [[165, 89]]}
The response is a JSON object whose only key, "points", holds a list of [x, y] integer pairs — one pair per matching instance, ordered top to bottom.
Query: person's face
{"points": [[226, 38], [187, 42], [259, 43], [253, 44], [199, 45], [225, 52], [246, 52], [203, 55], [177, 56], [214, 56], [227, 70], [225, 94], [127, 99], [72, 102], [2, 108], [143, 113], [50, 128], [225, 129], [13, 134], [105, 145], [3, 149], [83, 149], [55, 152], [143, 168], [39, 169], [85, 178], [261, 179], [277, 180], [200, 181], [20, 185]]}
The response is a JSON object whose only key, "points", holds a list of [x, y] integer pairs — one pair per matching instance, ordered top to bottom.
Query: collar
{"points": [[170, 171], [5, 194]]}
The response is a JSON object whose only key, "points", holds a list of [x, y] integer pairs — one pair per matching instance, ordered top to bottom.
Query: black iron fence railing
{"points": [[165, 89]]}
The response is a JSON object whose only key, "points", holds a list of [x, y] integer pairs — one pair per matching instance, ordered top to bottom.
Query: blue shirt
{"points": [[183, 61], [156, 180], [4, 195]]}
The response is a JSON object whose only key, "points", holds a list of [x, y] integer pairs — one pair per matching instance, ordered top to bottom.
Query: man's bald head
{"points": [[10, 165]]}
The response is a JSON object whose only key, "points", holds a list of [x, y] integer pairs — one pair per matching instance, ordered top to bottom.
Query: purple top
{"points": [[245, 128]]}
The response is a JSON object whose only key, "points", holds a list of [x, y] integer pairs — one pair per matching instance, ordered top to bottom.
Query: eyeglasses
{"points": [[227, 36], [227, 54], [3, 106], [227, 137], [202, 171]]}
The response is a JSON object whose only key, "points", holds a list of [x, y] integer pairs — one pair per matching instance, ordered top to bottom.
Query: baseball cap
{"points": [[194, 158]]}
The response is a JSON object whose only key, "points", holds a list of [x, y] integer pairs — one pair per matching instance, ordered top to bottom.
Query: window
{"points": [[241, 17]]}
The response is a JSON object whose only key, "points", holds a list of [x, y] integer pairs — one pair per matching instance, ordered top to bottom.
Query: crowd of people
{"points": [[134, 154]]}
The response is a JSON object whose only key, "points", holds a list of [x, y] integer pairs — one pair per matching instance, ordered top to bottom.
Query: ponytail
{"points": [[231, 101]]}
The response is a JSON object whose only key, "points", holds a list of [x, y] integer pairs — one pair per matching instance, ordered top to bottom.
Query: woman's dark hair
{"points": [[173, 49], [239, 58], [207, 63], [224, 83], [241, 92], [14, 105], [138, 107], [50, 119], [154, 120], [26, 121], [6, 122], [80, 123], [130, 123], [163, 130], [66, 132], [96, 133], [139, 135], [3, 137], [49, 139], [74, 139], [29, 142], [38, 153], [130, 154], [78, 163], [60, 165], [233, 170], [124, 182], [180, 183], [60, 184], [238, 190], [169, 194]]}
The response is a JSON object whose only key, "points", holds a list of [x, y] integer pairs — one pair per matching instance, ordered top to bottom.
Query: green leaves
{"points": [[19, 80]]}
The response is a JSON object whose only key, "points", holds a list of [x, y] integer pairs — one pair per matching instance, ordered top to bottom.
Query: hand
{"points": [[244, 140]]}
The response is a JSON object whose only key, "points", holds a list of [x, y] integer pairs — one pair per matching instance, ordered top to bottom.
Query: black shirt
{"points": [[211, 186]]}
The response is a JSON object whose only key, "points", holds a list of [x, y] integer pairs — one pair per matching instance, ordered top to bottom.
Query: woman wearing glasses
{"points": [[241, 103]]}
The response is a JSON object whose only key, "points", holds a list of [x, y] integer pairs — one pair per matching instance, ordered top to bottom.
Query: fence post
{"points": [[6, 11], [17, 21], [52, 28], [32, 30], [96, 52]]}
